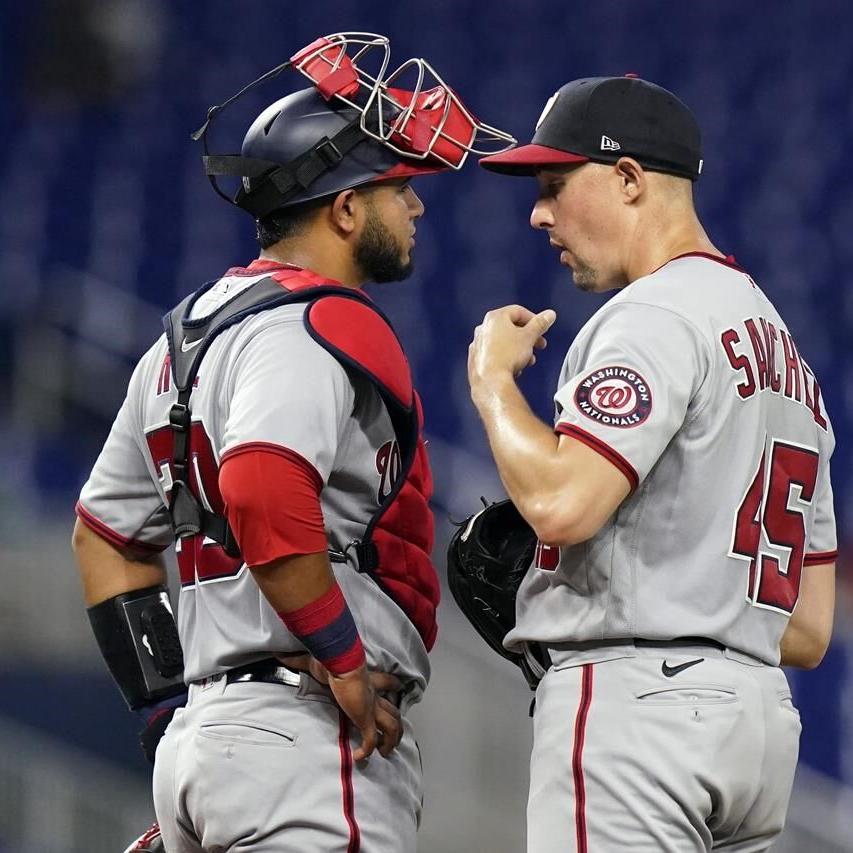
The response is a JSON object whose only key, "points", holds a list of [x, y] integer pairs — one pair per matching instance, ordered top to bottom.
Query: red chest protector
{"points": [[397, 542]]}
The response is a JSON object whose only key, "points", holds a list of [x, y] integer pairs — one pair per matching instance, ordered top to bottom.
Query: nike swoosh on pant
{"points": [[669, 671]]}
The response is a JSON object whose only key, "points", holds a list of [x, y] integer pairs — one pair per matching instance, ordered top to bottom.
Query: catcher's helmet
{"points": [[352, 128], [321, 144]]}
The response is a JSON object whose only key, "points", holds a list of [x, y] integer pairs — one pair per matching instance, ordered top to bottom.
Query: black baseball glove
{"points": [[487, 558]]}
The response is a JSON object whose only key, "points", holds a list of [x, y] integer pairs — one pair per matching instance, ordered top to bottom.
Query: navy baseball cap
{"points": [[601, 119]]}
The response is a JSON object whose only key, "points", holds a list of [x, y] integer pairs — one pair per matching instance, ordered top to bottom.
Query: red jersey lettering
{"points": [[763, 371]]}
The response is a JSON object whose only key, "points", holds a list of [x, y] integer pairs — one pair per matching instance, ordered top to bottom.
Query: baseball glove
{"points": [[487, 558]]}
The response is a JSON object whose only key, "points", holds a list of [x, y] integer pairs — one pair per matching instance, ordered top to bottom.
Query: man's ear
{"points": [[632, 179], [344, 211]]}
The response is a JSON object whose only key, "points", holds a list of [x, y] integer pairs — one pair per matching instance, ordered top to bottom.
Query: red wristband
{"points": [[327, 630]]}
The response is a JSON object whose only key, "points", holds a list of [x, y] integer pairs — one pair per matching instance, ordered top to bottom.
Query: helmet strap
{"points": [[214, 111], [279, 183]]}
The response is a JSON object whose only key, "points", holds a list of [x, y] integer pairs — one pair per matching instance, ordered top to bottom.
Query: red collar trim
{"points": [[727, 261], [260, 265], [264, 265], [267, 265]]}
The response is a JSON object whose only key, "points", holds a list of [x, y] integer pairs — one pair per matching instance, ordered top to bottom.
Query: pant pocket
{"points": [[686, 694], [246, 731]]}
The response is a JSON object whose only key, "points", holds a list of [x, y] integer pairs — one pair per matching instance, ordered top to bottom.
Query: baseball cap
{"points": [[601, 119]]}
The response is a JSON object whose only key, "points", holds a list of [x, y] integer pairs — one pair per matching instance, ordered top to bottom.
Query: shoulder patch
{"points": [[362, 336], [614, 396]]}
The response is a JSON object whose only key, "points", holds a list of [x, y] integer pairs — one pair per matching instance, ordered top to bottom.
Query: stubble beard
{"points": [[378, 254], [585, 277]]}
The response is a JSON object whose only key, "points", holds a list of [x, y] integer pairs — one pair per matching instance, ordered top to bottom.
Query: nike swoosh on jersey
{"points": [[185, 347], [669, 671]]}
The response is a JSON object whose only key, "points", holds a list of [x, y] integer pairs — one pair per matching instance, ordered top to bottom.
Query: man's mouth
{"points": [[565, 254]]}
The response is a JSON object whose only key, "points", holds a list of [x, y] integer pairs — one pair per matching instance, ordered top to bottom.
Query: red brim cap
{"points": [[526, 159]]}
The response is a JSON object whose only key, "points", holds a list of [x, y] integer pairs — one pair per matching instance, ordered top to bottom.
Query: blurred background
{"points": [[106, 220]]}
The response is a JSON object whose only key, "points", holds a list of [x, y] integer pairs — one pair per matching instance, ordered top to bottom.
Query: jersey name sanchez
{"points": [[263, 382], [690, 383]]}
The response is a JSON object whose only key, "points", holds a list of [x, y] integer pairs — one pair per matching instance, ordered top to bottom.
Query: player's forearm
{"points": [[526, 454], [107, 571], [292, 582], [304, 592], [809, 630], [802, 648]]}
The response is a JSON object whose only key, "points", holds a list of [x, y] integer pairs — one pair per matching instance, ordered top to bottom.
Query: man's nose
{"points": [[416, 205], [540, 216]]}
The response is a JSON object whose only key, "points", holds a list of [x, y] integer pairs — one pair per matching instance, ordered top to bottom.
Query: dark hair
{"points": [[289, 221]]}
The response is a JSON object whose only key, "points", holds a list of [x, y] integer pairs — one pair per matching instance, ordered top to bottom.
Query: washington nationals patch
{"points": [[615, 396]]}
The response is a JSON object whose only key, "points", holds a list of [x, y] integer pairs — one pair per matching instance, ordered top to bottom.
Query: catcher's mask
{"points": [[352, 127]]}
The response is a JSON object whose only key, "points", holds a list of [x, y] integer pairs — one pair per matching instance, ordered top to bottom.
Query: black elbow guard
{"points": [[138, 638]]}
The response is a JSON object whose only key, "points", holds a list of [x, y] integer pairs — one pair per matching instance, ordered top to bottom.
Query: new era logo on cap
{"points": [[608, 144]]}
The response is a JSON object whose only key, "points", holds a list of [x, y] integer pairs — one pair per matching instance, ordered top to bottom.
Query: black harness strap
{"points": [[188, 342]]}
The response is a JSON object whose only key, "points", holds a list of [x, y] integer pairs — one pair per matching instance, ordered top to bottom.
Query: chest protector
{"points": [[395, 547]]}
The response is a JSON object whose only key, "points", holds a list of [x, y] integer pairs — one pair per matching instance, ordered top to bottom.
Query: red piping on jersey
{"points": [[727, 261], [601, 447], [280, 450], [105, 532], [816, 558], [577, 757], [346, 784]]}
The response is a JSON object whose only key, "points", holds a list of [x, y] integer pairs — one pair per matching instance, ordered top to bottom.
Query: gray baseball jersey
{"points": [[264, 381], [690, 383]]}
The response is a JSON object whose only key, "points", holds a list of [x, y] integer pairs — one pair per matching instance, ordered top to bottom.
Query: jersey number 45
{"points": [[770, 525]]}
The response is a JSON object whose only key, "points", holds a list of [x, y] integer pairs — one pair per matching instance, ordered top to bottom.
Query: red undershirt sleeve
{"points": [[272, 502]]}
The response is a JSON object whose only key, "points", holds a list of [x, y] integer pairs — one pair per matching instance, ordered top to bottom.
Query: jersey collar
{"points": [[727, 260], [265, 265]]}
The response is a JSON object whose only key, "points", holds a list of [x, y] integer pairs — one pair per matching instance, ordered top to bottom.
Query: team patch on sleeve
{"points": [[614, 396]]}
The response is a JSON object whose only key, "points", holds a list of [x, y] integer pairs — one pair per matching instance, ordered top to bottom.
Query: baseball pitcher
{"points": [[681, 498]]}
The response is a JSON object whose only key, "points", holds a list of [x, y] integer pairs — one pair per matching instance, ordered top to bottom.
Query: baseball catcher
{"points": [[274, 435]]}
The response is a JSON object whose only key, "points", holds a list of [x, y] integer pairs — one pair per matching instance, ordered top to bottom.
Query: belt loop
{"points": [[213, 685]]}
